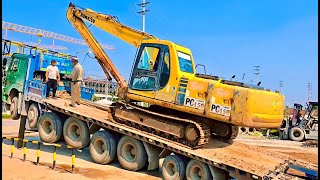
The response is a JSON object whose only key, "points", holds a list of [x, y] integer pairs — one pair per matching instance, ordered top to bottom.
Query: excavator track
{"points": [[204, 130]]}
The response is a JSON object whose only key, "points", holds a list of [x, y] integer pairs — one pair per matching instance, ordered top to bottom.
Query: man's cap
{"points": [[74, 59], [52, 60]]}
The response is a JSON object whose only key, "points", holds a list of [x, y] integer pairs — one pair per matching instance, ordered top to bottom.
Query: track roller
{"points": [[50, 127], [76, 133], [103, 147], [131, 153], [173, 168], [197, 170]]}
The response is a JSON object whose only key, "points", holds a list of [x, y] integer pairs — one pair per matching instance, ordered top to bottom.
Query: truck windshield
{"points": [[185, 62]]}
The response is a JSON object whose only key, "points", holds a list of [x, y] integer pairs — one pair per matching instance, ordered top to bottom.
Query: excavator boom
{"points": [[74, 16], [111, 25]]}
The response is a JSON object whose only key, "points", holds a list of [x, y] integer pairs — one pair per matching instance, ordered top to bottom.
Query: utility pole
{"points": [[143, 12], [257, 72], [280, 85], [309, 91]]}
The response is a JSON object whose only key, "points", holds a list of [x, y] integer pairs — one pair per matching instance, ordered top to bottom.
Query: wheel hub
{"points": [[31, 115], [47, 127], [74, 132], [99, 146], [129, 152], [171, 169]]}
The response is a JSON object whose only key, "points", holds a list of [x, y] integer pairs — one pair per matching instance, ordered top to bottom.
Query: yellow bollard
{"points": [[12, 147], [24, 149], [38, 154], [54, 157], [73, 157]]}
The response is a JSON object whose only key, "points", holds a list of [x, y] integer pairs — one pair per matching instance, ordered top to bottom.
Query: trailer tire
{"points": [[14, 109], [33, 115], [50, 127], [76, 133], [296, 134], [103, 147], [131, 153], [173, 168], [197, 170]]}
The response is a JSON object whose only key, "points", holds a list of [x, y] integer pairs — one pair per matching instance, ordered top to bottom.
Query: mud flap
{"points": [[153, 155]]}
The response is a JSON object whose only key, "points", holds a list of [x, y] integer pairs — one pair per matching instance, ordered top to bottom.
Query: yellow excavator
{"points": [[184, 106]]}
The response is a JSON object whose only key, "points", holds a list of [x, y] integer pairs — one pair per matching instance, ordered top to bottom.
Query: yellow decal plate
{"points": [[195, 103], [220, 109]]}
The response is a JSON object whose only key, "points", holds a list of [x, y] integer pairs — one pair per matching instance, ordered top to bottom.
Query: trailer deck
{"points": [[242, 161]]}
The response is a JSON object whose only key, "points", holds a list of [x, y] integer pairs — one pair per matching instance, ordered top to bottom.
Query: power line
{"points": [[143, 12]]}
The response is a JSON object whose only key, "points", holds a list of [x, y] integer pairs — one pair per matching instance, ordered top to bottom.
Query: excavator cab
{"points": [[151, 69]]}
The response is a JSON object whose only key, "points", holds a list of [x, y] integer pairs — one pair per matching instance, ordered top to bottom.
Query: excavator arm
{"points": [[110, 24]]}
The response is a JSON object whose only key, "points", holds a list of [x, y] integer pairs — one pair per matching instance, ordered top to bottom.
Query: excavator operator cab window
{"points": [[185, 62], [151, 69]]}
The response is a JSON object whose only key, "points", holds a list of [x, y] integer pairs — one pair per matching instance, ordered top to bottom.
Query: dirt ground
{"points": [[15, 168]]}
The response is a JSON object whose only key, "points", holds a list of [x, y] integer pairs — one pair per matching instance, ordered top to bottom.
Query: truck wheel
{"points": [[14, 109], [33, 115], [50, 127], [76, 133], [296, 134], [103, 147], [131, 154], [173, 168], [197, 170]]}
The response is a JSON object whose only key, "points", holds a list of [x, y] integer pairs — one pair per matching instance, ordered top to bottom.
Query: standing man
{"points": [[52, 78], [76, 81]]}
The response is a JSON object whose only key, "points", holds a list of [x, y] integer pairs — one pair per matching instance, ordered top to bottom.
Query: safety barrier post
{"points": [[24, 145], [12, 147], [24, 149], [38, 154], [54, 156], [73, 157]]}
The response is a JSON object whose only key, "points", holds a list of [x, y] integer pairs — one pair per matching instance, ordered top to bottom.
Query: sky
{"points": [[228, 36]]}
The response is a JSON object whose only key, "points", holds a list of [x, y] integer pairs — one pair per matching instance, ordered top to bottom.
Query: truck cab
{"points": [[14, 76]]}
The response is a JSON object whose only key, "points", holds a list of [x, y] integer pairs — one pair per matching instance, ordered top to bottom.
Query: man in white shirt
{"points": [[52, 78]]}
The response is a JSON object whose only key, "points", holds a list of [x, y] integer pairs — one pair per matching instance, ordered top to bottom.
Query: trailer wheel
{"points": [[14, 109], [33, 115], [50, 127], [76, 133], [296, 134], [103, 147], [131, 154], [173, 168], [197, 170]]}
